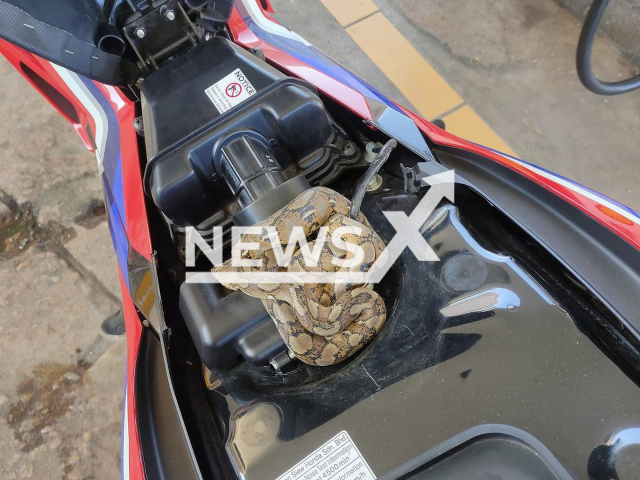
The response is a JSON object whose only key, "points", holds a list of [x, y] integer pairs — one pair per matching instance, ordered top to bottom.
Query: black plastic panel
{"points": [[174, 102], [187, 136], [600, 259], [223, 328], [515, 348], [165, 449], [484, 452]]}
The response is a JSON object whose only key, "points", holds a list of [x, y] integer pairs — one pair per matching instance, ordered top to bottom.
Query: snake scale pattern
{"points": [[322, 324]]}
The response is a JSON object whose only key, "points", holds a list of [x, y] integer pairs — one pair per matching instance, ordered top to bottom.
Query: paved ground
{"points": [[620, 23], [510, 61], [62, 380]]}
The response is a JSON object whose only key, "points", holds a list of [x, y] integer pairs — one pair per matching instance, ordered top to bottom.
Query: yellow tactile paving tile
{"points": [[348, 11], [402, 63], [466, 123]]}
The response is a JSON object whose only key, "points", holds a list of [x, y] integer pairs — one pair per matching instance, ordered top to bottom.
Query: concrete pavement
{"points": [[513, 63], [62, 380]]}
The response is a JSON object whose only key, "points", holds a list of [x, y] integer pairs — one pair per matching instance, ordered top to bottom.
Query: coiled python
{"points": [[323, 324]]}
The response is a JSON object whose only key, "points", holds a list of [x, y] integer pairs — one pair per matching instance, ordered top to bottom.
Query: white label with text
{"points": [[232, 90], [338, 459]]}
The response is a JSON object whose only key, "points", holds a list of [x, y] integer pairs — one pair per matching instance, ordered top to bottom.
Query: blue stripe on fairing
{"points": [[315, 58], [112, 156], [568, 180], [112, 181], [118, 187], [118, 233]]}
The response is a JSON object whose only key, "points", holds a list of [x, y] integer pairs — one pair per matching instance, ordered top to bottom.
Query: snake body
{"points": [[323, 324]]}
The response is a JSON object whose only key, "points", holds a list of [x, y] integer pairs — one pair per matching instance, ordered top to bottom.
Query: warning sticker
{"points": [[232, 90], [338, 459]]}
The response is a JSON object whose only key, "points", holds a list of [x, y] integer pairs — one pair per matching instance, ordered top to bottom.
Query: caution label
{"points": [[232, 90], [338, 459]]}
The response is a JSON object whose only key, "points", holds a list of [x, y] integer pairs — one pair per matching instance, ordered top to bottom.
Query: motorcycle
{"points": [[499, 337]]}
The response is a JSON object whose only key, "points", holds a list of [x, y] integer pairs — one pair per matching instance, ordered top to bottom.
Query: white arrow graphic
{"points": [[408, 227], [407, 235]]}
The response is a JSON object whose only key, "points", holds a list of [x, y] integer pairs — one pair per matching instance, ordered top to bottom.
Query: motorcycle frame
{"points": [[104, 115]]}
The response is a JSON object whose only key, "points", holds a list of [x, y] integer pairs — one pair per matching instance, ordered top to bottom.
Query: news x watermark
{"points": [[407, 235]]}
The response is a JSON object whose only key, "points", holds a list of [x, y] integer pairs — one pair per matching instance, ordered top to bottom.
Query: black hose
{"points": [[110, 40], [585, 45], [363, 183]]}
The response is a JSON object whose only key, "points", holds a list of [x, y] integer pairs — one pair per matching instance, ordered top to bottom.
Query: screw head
{"points": [[170, 15], [140, 32], [138, 126], [349, 148]]}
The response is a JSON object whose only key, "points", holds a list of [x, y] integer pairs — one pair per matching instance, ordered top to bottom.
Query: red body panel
{"points": [[19, 58], [290, 64], [621, 225], [137, 229], [134, 332]]}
